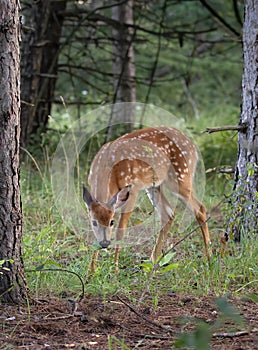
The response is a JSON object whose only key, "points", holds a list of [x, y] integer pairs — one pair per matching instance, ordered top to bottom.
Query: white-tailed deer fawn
{"points": [[145, 159]]}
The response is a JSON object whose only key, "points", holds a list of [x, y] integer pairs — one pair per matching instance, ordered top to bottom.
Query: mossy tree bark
{"points": [[12, 282]]}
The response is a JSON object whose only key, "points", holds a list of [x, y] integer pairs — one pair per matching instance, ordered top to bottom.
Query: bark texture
{"points": [[40, 50], [123, 62], [245, 218], [12, 285]]}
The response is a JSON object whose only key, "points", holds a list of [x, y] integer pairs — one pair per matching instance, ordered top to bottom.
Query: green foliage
{"points": [[163, 265], [200, 338]]}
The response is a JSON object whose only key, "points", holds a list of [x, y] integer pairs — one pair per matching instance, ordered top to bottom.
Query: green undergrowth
{"points": [[51, 251]]}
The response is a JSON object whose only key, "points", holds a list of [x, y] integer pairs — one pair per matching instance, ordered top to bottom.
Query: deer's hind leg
{"points": [[199, 211]]}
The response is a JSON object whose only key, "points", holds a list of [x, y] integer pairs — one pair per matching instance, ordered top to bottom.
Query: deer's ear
{"points": [[86, 196], [120, 197]]}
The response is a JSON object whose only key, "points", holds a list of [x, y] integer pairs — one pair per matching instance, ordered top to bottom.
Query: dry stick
{"points": [[226, 128], [156, 265], [65, 317], [156, 324], [230, 334], [214, 335], [146, 336]]}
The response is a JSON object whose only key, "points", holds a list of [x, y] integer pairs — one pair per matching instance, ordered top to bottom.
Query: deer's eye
{"points": [[95, 223], [111, 223]]}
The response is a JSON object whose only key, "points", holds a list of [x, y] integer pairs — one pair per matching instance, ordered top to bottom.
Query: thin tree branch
{"points": [[79, 11], [237, 13], [219, 18], [116, 24], [79, 77], [76, 103], [226, 128], [182, 239]]}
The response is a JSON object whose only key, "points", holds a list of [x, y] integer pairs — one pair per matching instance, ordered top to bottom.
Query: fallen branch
{"points": [[229, 334]]}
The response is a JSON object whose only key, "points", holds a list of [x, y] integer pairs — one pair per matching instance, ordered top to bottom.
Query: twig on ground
{"points": [[64, 317], [156, 324], [230, 334], [146, 336]]}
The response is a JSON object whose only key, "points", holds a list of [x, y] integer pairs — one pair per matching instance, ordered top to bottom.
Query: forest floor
{"points": [[116, 323]]}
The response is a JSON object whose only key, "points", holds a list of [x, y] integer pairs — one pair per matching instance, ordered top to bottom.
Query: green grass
{"points": [[49, 244]]}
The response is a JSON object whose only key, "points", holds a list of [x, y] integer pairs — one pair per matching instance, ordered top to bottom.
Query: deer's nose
{"points": [[104, 243]]}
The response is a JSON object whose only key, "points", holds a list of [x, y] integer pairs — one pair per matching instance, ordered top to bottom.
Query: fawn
{"points": [[142, 160]]}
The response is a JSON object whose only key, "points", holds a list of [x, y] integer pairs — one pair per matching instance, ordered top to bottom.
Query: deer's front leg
{"points": [[123, 221], [120, 232], [93, 262]]}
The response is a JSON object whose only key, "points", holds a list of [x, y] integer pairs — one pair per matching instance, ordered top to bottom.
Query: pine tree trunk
{"points": [[40, 50], [123, 54], [123, 65], [245, 199], [12, 285]]}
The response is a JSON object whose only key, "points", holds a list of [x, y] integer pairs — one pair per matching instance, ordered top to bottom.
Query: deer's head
{"points": [[102, 214]]}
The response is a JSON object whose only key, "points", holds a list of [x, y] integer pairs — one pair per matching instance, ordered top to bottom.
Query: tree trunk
{"points": [[40, 51], [123, 54], [123, 64], [245, 199], [12, 285]]}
